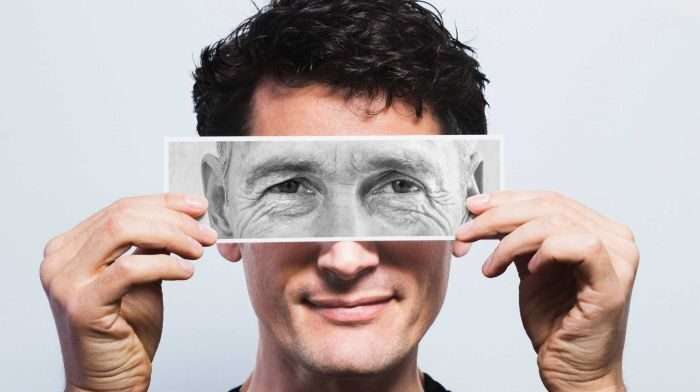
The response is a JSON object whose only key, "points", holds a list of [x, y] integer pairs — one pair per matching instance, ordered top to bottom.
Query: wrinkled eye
{"points": [[289, 186], [400, 186]]}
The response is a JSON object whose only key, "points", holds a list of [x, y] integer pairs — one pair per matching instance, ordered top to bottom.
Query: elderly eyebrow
{"points": [[281, 164], [415, 164]]}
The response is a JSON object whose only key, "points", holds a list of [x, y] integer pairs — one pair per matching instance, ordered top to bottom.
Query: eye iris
{"points": [[403, 186], [288, 187]]}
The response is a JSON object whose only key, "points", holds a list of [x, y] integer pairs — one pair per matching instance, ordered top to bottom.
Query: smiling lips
{"points": [[350, 311]]}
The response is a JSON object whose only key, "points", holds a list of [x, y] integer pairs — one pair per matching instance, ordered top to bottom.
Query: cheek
{"points": [[425, 266], [269, 270], [261, 273], [434, 275]]}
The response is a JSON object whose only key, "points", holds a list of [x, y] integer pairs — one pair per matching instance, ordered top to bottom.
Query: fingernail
{"points": [[477, 200], [196, 201], [207, 230], [186, 265]]}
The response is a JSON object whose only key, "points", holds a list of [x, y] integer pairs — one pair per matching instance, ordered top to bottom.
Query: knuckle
{"points": [[553, 196], [560, 197], [546, 203], [120, 204], [125, 205], [559, 220], [116, 223], [627, 233], [592, 244], [53, 245], [124, 268], [45, 273]]}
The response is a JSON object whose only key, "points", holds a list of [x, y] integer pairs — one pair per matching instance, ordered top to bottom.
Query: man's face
{"points": [[342, 189], [342, 308]]}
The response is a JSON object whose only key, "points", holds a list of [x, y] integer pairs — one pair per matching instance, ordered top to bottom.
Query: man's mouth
{"points": [[350, 310]]}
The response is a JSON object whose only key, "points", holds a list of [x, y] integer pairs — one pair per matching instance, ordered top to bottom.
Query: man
{"points": [[345, 315]]}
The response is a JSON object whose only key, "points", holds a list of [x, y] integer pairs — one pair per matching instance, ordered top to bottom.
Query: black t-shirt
{"points": [[429, 385]]}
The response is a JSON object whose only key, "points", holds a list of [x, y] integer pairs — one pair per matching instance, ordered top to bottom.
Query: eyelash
{"points": [[393, 177], [399, 177], [299, 181]]}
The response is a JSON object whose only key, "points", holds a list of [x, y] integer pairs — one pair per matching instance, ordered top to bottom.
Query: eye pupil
{"points": [[289, 186], [402, 186]]}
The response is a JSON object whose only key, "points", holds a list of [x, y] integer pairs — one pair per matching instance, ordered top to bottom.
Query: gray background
{"points": [[598, 100], [184, 174]]}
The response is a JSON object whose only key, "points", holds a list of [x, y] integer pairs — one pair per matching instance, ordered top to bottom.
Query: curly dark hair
{"points": [[397, 49]]}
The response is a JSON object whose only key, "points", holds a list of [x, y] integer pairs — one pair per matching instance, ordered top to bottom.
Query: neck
{"points": [[275, 371]]}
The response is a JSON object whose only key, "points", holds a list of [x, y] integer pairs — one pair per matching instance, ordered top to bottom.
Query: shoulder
{"points": [[430, 385]]}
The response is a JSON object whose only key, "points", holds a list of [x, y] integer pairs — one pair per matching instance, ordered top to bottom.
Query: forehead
{"points": [[320, 110], [357, 153]]}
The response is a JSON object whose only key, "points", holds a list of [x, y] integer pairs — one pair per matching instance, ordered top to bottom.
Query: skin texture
{"points": [[346, 192], [576, 266]]}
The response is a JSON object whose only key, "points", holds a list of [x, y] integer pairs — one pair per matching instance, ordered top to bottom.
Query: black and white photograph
{"points": [[271, 189]]}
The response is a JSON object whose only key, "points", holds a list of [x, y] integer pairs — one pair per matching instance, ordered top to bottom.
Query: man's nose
{"points": [[342, 215], [348, 260]]}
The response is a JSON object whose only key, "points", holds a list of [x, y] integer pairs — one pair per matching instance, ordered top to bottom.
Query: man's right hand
{"points": [[107, 303]]}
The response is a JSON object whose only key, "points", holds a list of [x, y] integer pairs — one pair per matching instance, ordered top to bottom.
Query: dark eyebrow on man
{"points": [[282, 164]]}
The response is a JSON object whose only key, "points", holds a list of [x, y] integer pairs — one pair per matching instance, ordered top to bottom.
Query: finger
{"points": [[481, 203], [192, 205], [497, 222], [155, 229], [527, 238], [69, 243], [460, 249], [585, 251], [231, 252], [624, 257], [128, 271]]}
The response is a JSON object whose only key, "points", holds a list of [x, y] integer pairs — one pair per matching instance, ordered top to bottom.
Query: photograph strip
{"points": [[335, 188]]}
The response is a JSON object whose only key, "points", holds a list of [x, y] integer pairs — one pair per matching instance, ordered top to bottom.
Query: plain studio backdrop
{"points": [[597, 100]]}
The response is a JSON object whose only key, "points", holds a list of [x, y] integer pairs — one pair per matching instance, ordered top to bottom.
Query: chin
{"points": [[352, 352]]}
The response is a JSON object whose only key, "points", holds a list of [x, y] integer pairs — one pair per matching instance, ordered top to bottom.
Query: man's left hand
{"points": [[576, 269]]}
